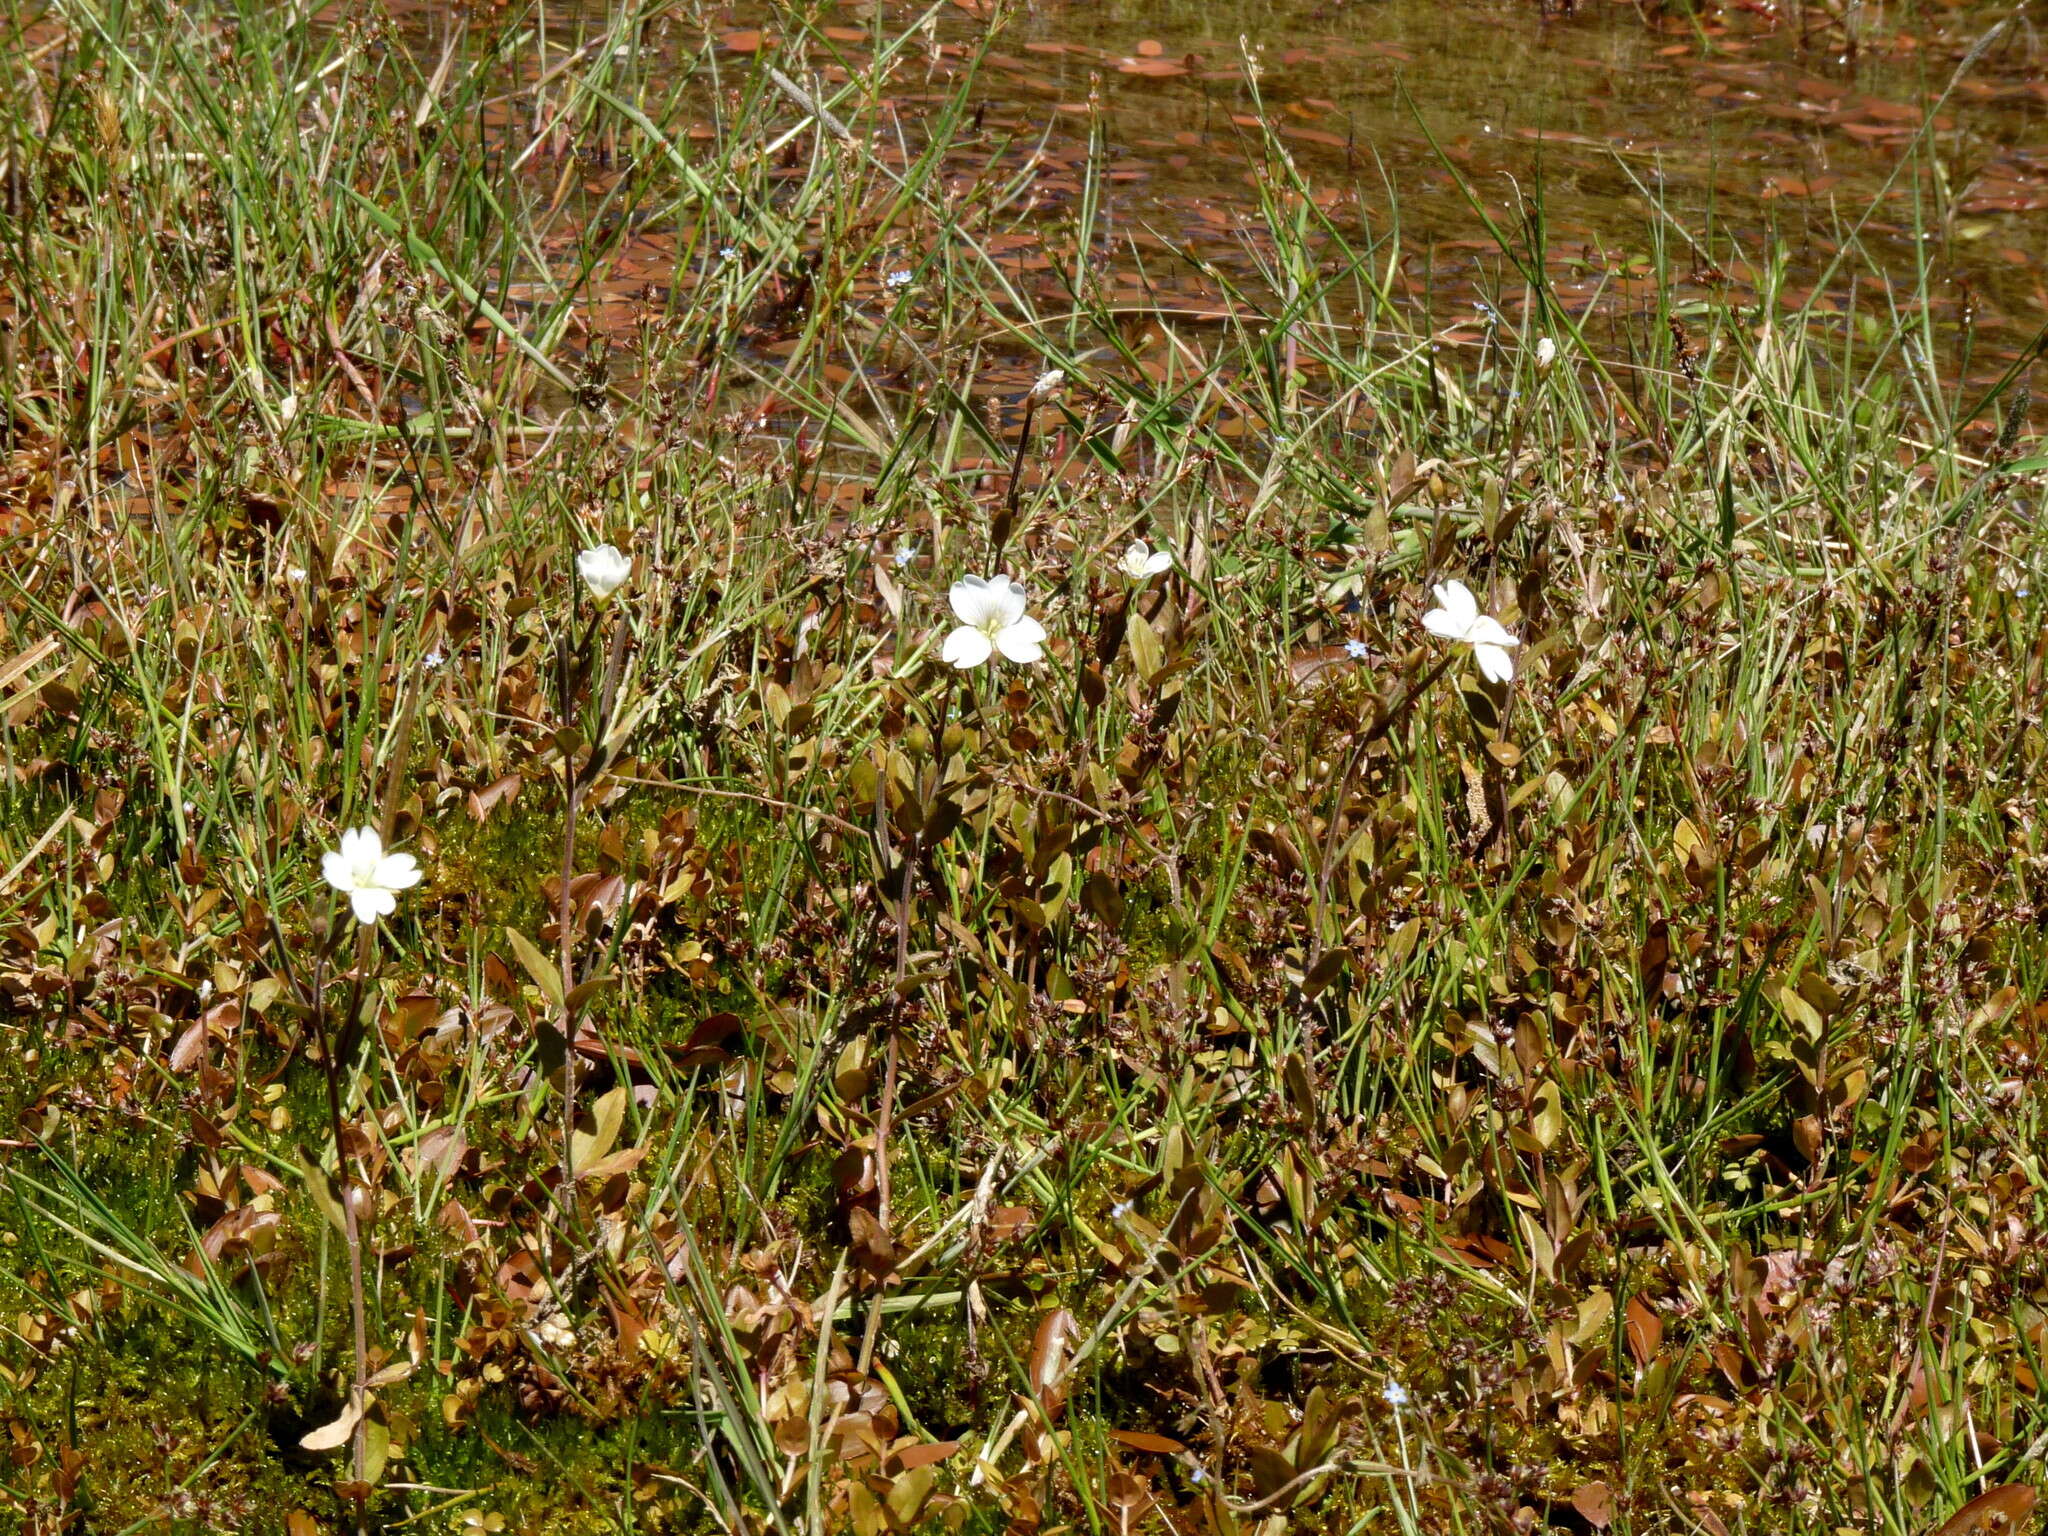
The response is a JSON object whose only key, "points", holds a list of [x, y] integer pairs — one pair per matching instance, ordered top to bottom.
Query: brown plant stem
{"points": [[1006, 524], [575, 785], [572, 787], [332, 1046], [891, 1059]]}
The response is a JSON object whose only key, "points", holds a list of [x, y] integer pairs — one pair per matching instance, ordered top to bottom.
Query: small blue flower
{"points": [[900, 278], [1357, 650], [1396, 1395]]}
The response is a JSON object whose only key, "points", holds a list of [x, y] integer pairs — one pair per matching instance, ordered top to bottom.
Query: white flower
{"points": [[1546, 354], [1048, 383], [1141, 562], [604, 570], [295, 573], [992, 618], [1457, 618], [367, 875]]}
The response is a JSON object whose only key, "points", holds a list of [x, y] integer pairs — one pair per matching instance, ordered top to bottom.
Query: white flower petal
{"points": [[1161, 560], [604, 570], [1011, 598], [1456, 599], [974, 601], [1441, 621], [1487, 630], [1023, 641], [967, 646], [1495, 664], [357, 857], [334, 867], [396, 871], [370, 903]]}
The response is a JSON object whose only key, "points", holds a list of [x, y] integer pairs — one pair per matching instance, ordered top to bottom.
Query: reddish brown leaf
{"points": [[483, 801], [190, 1049], [1645, 1330], [1140, 1440], [925, 1455], [1595, 1502], [1999, 1511]]}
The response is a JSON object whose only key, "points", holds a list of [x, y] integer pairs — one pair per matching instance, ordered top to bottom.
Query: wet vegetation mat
{"points": [[742, 790]]}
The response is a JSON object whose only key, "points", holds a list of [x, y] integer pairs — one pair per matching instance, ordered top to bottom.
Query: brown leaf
{"points": [[483, 801], [1654, 959], [190, 1049], [1806, 1137], [625, 1160], [456, 1221], [873, 1249], [1645, 1330], [1047, 1376], [329, 1437], [1140, 1440], [926, 1455], [1595, 1503], [1999, 1511]]}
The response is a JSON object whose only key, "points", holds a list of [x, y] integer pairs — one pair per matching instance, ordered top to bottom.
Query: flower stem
{"points": [[1006, 524], [576, 783], [333, 1045]]}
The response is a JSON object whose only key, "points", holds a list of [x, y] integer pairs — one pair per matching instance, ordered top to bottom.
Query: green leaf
{"points": [[1147, 654], [544, 974], [606, 1115], [1546, 1122], [325, 1188], [376, 1449]]}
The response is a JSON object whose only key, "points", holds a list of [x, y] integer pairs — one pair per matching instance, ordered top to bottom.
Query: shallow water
{"points": [[1733, 134], [1747, 147]]}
